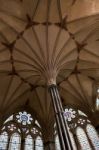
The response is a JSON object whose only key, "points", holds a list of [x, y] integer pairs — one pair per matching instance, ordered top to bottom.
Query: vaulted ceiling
{"points": [[45, 42]]}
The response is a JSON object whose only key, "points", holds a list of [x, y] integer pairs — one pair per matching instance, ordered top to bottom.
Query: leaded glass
{"points": [[69, 114], [24, 118], [81, 121], [21, 124], [11, 127], [34, 131], [93, 136], [82, 138], [3, 141], [15, 142], [29, 143], [38, 143]]}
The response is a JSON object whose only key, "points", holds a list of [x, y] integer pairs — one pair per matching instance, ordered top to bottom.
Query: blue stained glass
{"points": [[24, 118], [93, 136], [82, 138], [3, 141], [15, 142], [29, 143], [38, 143]]}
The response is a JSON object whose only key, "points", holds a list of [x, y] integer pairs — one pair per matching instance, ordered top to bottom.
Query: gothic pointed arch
{"points": [[21, 130]]}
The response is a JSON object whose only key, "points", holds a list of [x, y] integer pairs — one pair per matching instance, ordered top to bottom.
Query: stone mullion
{"points": [[8, 144], [22, 144], [34, 144]]}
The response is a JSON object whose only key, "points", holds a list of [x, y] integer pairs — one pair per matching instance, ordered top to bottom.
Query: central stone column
{"points": [[62, 127]]}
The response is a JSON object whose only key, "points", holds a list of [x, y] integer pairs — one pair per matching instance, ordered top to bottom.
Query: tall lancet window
{"points": [[21, 131], [84, 135], [93, 136], [82, 138], [3, 141], [15, 142], [29, 143], [38, 143]]}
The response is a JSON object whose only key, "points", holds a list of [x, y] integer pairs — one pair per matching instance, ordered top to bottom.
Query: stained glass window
{"points": [[69, 114], [24, 118], [81, 121], [17, 125], [11, 127], [34, 131], [93, 136], [82, 138], [3, 141], [15, 142], [29, 143], [38, 143], [57, 144]]}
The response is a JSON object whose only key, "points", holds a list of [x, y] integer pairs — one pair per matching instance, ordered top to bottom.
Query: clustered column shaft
{"points": [[62, 127]]}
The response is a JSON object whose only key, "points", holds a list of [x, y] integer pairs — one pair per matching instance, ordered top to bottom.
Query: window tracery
{"points": [[69, 114], [24, 118], [75, 118], [81, 121], [78, 124], [11, 127], [21, 127], [82, 133]]}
